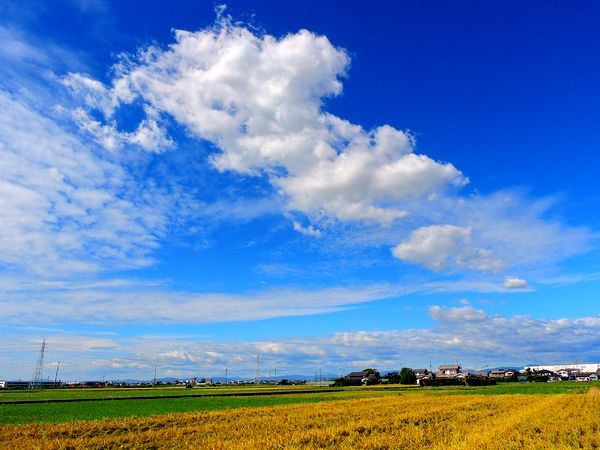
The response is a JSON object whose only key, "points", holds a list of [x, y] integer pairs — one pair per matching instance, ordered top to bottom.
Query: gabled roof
{"points": [[449, 367], [356, 374]]}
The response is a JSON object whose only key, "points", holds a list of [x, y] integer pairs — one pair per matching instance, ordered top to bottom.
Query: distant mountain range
{"points": [[292, 377]]}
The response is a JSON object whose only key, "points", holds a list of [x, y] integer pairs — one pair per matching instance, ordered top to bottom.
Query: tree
{"points": [[371, 371], [529, 375], [408, 376], [393, 377], [535, 377], [343, 381]]}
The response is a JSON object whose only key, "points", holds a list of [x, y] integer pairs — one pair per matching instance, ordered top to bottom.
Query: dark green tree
{"points": [[408, 376], [393, 377], [534, 377]]}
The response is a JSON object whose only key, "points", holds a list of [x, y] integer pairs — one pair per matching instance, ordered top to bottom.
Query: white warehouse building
{"points": [[587, 367]]}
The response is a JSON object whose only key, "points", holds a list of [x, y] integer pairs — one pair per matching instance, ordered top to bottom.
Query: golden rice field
{"points": [[393, 422]]}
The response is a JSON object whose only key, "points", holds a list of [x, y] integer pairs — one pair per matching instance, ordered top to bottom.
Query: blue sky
{"points": [[326, 186]]}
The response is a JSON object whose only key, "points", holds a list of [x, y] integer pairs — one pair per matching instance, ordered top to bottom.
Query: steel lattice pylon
{"points": [[39, 369]]}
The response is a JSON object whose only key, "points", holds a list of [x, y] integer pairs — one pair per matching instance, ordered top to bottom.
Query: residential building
{"points": [[448, 371]]}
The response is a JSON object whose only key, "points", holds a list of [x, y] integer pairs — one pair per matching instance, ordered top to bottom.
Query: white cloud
{"points": [[14, 48], [259, 100], [148, 134], [64, 208], [308, 230], [497, 233], [441, 246], [514, 283], [122, 301], [131, 302], [462, 314], [485, 340]]}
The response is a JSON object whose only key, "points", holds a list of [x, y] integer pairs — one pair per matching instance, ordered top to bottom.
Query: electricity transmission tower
{"points": [[36, 380]]}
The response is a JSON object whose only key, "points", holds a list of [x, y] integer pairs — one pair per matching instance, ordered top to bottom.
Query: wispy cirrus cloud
{"points": [[65, 208], [158, 302]]}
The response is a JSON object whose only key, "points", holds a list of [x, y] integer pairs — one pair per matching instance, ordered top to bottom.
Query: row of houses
{"points": [[454, 371], [562, 375], [369, 376]]}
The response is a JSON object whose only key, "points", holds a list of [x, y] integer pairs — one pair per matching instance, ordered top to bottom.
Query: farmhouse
{"points": [[448, 371], [422, 373], [503, 373], [362, 377]]}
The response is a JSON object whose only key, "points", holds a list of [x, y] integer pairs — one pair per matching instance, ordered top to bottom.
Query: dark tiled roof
{"points": [[356, 375]]}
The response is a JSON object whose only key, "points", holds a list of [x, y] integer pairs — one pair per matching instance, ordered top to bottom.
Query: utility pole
{"points": [[56, 374], [225, 376], [257, 376], [154, 383]]}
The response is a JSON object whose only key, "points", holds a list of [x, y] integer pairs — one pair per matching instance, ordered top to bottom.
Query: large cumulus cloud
{"points": [[259, 99]]}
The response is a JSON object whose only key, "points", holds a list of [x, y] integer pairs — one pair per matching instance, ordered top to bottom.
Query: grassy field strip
{"points": [[503, 388], [135, 392], [155, 397], [64, 412], [407, 422]]}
